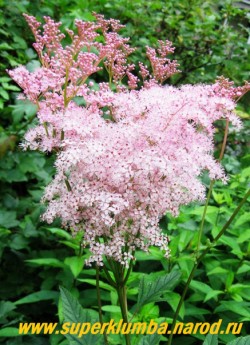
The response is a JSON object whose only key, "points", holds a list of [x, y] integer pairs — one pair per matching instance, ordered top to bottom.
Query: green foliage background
{"points": [[211, 38]]}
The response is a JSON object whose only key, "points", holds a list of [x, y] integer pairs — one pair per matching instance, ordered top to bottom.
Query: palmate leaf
{"points": [[151, 291], [74, 313]]}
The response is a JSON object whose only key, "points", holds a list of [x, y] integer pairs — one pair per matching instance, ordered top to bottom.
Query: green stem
{"points": [[65, 88], [223, 147], [204, 215], [199, 259], [128, 272], [108, 276], [98, 291], [122, 296]]}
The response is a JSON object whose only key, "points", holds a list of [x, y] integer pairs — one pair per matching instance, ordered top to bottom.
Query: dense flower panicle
{"points": [[128, 155]]}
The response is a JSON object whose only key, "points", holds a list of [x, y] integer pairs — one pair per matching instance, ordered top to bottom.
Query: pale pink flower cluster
{"points": [[128, 155]]}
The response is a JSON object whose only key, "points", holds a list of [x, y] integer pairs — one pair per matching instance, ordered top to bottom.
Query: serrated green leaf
{"points": [[151, 291], [74, 313], [150, 339], [211, 339], [240, 341]]}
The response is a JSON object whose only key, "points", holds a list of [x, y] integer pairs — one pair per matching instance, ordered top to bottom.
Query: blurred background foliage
{"points": [[211, 38]]}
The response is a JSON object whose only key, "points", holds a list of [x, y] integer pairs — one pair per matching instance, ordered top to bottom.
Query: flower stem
{"points": [[211, 188], [199, 259], [122, 295], [100, 303]]}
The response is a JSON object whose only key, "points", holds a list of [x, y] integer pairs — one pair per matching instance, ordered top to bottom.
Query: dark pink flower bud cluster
{"points": [[162, 67], [225, 88], [123, 158]]}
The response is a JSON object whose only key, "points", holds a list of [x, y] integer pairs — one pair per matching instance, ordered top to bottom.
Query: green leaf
{"points": [[33, 65], [4, 94], [24, 107], [218, 197], [199, 210], [245, 218], [8, 219], [190, 225], [60, 233], [244, 237], [184, 239], [19, 242], [231, 242], [70, 244], [153, 254], [53, 262], [75, 264], [244, 268], [218, 270], [229, 280], [103, 285], [202, 287], [237, 288], [151, 291], [212, 294], [38, 296], [173, 299], [6, 307], [240, 308], [111, 309], [191, 310], [149, 311], [74, 313], [9, 332], [150, 339], [211, 339], [240, 341]]}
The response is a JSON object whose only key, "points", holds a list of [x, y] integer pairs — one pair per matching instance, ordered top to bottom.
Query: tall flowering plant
{"points": [[128, 149]]}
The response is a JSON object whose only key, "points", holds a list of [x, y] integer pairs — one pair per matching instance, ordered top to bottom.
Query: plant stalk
{"points": [[223, 147], [199, 259], [122, 295], [100, 303]]}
